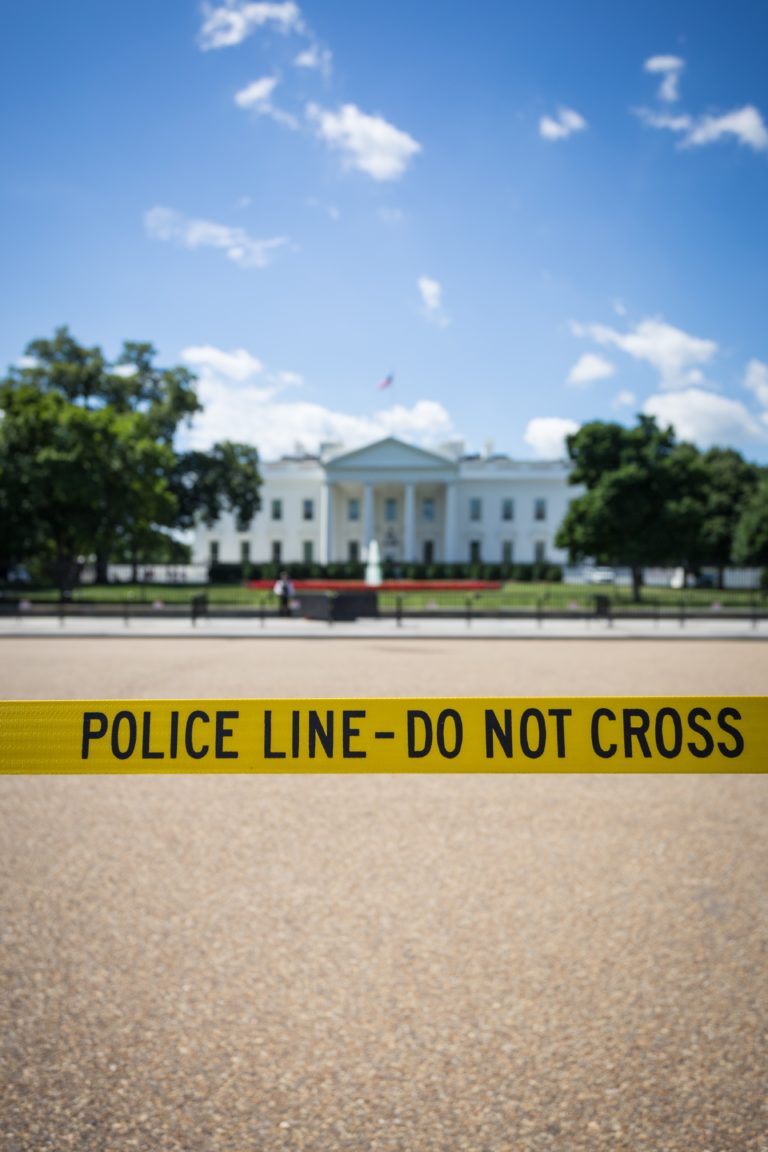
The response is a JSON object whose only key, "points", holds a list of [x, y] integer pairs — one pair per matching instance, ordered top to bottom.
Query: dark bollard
{"points": [[65, 598], [198, 607], [603, 609]]}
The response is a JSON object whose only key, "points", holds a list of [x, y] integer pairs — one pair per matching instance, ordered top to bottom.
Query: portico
{"points": [[403, 497]]}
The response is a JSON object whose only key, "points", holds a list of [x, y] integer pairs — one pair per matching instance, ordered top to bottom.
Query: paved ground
{"points": [[713, 627], [406, 663], [208, 964]]}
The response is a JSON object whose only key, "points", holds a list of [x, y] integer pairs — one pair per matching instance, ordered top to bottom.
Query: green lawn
{"points": [[515, 595]]}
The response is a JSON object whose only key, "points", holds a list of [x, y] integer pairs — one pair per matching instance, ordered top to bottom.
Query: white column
{"points": [[367, 514], [326, 523], [409, 523], [449, 537]]}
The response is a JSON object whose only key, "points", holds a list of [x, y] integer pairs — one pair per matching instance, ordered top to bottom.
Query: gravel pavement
{"points": [[480, 963]]}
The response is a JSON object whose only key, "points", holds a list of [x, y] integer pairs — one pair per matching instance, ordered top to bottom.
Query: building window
{"points": [[428, 508], [308, 509], [353, 509], [390, 509], [475, 509], [507, 509], [540, 509], [277, 510], [213, 551], [245, 551], [353, 551], [429, 551], [540, 551], [277, 552], [307, 552], [475, 552], [507, 552]]}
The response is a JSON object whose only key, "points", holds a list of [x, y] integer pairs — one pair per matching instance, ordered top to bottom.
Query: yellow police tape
{"points": [[619, 734]]}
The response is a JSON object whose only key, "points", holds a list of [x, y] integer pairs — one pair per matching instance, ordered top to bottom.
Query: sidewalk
{"points": [[423, 628]]}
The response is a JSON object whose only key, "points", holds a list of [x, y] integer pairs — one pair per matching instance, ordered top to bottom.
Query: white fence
{"points": [[157, 574], [733, 578]]}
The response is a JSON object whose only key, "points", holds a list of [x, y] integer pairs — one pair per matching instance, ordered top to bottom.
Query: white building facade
{"points": [[421, 506]]}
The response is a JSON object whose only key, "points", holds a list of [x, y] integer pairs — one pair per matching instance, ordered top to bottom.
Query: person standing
{"points": [[284, 590]]}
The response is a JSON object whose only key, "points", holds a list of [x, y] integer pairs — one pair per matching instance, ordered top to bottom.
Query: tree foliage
{"points": [[87, 458], [731, 480], [207, 483], [644, 499], [751, 536]]}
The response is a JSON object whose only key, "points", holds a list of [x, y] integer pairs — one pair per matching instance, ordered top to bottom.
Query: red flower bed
{"points": [[385, 586]]}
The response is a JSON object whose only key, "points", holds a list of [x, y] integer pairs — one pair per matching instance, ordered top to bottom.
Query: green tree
{"points": [[87, 458], [730, 481], [208, 483], [644, 497], [750, 544]]}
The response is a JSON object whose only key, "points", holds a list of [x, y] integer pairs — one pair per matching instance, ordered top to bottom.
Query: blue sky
{"points": [[531, 213]]}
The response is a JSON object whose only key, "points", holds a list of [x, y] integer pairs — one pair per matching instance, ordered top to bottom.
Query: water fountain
{"points": [[373, 565]]}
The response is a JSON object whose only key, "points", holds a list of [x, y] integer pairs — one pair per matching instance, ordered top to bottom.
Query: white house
{"points": [[421, 506]]}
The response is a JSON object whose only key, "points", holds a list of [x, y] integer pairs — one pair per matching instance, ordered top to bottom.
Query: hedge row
{"points": [[239, 573]]}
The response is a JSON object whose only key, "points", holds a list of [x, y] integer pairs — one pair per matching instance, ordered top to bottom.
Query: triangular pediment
{"points": [[389, 454]]}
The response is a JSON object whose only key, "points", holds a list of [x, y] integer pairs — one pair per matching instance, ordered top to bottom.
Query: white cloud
{"points": [[235, 20], [315, 58], [664, 64], [669, 67], [256, 93], [256, 97], [681, 123], [743, 124], [746, 124], [565, 125], [369, 143], [166, 224], [431, 292], [673, 353], [26, 362], [237, 365], [590, 367], [289, 379], [756, 380], [624, 399], [238, 407], [253, 415], [705, 417], [427, 421], [546, 435]]}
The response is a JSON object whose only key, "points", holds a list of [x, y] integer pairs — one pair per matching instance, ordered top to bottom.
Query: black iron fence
{"points": [[525, 599]]}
